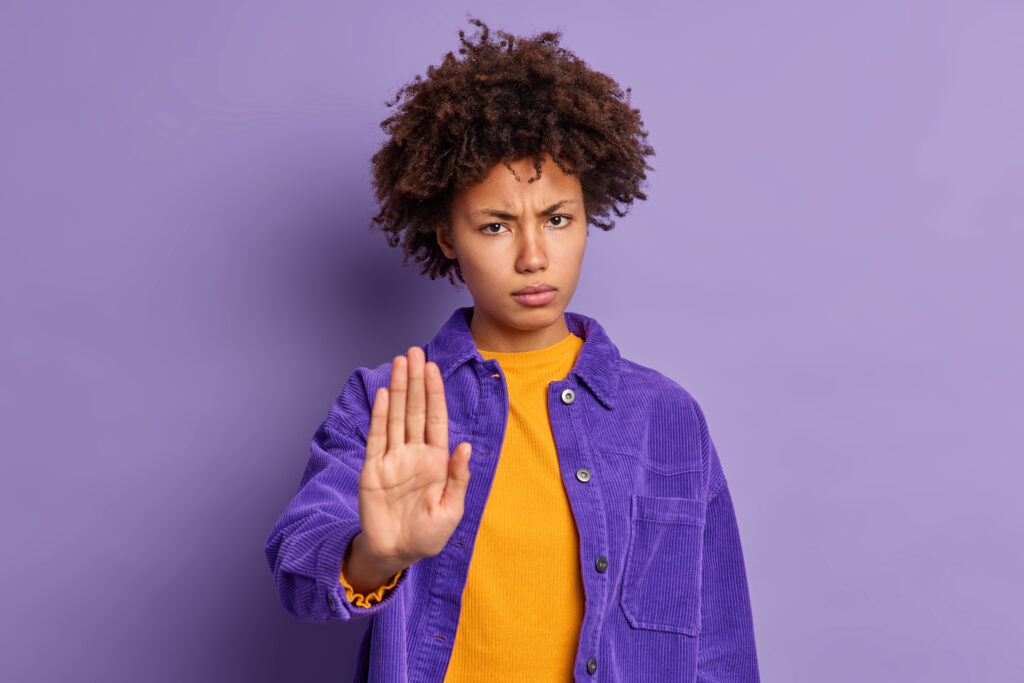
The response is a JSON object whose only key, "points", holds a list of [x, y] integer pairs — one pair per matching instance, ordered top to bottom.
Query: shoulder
{"points": [[639, 382], [352, 408], [669, 413]]}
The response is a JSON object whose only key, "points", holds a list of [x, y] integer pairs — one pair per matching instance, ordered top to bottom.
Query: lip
{"points": [[534, 289], [541, 298]]}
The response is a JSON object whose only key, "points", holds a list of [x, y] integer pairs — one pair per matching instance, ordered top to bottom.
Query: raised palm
{"points": [[411, 493]]}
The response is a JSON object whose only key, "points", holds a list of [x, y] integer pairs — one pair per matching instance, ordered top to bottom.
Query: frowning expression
{"points": [[509, 234]]}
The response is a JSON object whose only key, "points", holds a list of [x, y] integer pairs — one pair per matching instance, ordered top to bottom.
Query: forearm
{"points": [[728, 653]]}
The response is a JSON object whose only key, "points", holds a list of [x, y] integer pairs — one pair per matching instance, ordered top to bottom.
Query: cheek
{"points": [[572, 250], [486, 273]]}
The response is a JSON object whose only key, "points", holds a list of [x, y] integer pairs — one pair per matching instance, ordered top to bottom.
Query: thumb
{"points": [[458, 476]]}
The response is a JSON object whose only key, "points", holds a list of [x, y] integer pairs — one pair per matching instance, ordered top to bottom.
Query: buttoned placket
{"points": [[569, 403], [569, 428]]}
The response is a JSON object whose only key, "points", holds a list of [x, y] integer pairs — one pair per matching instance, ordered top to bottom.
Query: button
{"points": [[568, 396], [583, 474], [602, 564], [331, 601], [592, 665]]}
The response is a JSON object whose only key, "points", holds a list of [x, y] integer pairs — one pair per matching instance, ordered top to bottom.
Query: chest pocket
{"points": [[661, 582]]}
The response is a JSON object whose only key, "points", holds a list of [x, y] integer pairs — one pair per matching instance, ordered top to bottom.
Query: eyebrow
{"points": [[505, 215]]}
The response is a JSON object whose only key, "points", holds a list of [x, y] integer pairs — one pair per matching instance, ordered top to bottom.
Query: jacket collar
{"points": [[597, 364]]}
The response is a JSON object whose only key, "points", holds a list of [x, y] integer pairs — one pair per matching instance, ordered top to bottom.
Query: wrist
{"points": [[389, 563], [365, 570]]}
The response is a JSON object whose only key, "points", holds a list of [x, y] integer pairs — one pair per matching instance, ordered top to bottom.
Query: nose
{"points": [[532, 251]]}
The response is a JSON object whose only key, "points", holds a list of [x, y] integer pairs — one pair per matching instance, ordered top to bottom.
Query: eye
{"points": [[563, 220]]}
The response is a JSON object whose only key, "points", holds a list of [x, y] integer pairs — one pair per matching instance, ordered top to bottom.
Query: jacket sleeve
{"points": [[309, 540], [726, 650]]}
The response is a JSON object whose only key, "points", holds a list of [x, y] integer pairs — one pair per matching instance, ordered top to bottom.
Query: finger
{"points": [[416, 402], [396, 405], [437, 409], [377, 437], [454, 496]]}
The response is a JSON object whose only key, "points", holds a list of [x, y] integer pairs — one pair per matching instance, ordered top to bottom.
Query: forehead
{"points": [[502, 187]]}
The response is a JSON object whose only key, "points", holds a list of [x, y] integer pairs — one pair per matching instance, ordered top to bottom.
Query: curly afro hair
{"points": [[508, 99]]}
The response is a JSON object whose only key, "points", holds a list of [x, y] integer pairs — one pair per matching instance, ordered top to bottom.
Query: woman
{"points": [[515, 500]]}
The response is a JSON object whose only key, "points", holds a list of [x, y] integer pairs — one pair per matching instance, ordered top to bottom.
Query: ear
{"points": [[444, 241]]}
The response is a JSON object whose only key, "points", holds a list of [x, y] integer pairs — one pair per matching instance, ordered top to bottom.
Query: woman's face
{"points": [[508, 234]]}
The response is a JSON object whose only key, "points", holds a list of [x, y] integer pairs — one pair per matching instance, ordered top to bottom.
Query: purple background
{"points": [[827, 261]]}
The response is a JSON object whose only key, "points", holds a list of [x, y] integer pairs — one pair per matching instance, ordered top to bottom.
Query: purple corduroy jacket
{"points": [[660, 555]]}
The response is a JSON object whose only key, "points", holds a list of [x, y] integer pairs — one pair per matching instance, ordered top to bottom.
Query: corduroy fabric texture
{"points": [[646, 489], [527, 540]]}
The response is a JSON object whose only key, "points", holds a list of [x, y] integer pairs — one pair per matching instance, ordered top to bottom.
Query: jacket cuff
{"points": [[332, 552]]}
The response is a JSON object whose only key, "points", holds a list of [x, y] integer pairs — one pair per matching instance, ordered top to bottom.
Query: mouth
{"points": [[534, 289], [539, 297]]}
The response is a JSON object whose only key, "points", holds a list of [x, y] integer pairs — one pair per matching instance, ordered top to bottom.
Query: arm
{"points": [[307, 545], [365, 582], [727, 652]]}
